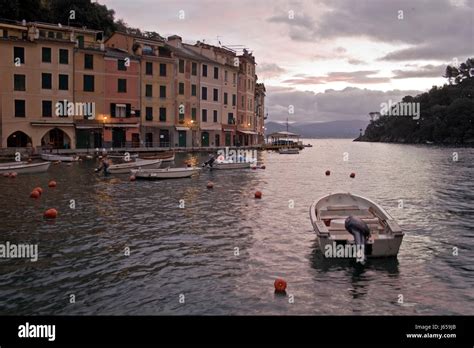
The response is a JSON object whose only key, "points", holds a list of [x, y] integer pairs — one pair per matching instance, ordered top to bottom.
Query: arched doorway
{"points": [[18, 139], [57, 139]]}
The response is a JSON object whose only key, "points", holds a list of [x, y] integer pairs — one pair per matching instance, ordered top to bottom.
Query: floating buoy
{"points": [[262, 167], [254, 168], [328, 172], [13, 175], [352, 175], [133, 178], [52, 183], [210, 185], [39, 189], [35, 194], [258, 194], [51, 213], [280, 285]]}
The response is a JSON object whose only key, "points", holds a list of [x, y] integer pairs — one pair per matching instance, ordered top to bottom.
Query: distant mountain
{"points": [[332, 129]]}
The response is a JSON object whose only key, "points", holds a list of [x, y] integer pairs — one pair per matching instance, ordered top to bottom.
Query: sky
{"points": [[328, 59]]}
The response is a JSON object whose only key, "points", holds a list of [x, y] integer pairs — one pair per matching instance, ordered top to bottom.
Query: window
{"points": [[19, 54], [46, 55], [63, 56], [88, 61], [121, 65], [181, 66], [149, 68], [194, 68], [162, 69], [204, 70], [216, 72], [225, 75], [234, 78], [46, 81], [19, 82], [63, 82], [88, 83], [122, 85], [181, 88], [193, 90], [149, 91], [162, 91], [204, 93], [215, 96], [225, 98], [234, 99], [47, 107], [20, 108], [149, 113], [162, 114], [193, 114], [204, 115], [215, 116], [230, 118]]}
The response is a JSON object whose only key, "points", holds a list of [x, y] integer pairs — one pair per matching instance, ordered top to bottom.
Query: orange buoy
{"points": [[262, 167], [328, 172], [13, 175], [352, 175], [133, 178], [52, 183], [210, 185], [39, 189], [35, 194], [258, 194], [51, 213], [280, 285]]}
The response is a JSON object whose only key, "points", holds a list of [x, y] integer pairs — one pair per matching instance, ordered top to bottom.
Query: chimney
{"points": [[175, 40]]}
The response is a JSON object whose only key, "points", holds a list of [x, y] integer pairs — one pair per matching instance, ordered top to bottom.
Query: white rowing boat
{"points": [[289, 151], [123, 156], [54, 158], [25, 168], [124, 168], [166, 173], [328, 216]]}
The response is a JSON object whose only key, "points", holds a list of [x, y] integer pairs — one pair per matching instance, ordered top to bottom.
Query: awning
{"points": [[52, 124], [121, 125], [211, 127], [182, 128], [247, 132]]}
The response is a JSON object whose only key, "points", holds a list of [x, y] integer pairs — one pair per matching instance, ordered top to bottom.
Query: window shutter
{"points": [[112, 109], [128, 110]]}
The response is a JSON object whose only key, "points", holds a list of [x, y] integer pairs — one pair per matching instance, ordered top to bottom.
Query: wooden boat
{"points": [[289, 151], [165, 157], [55, 158], [25, 168], [124, 168], [166, 173], [328, 215]]}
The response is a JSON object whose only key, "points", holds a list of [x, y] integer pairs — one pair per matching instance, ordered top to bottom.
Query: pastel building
{"points": [[246, 121]]}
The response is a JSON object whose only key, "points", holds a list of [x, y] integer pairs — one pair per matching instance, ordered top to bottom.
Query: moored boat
{"points": [[289, 151], [122, 156], [165, 157], [55, 158], [230, 165], [25, 168], [124, 168], [165, 173], [333, 215]]}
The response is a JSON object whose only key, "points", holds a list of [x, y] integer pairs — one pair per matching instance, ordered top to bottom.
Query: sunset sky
{"points": [[332, 60]]}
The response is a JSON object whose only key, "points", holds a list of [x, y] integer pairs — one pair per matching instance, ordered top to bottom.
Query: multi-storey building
{"points": [[260, 111], [246, 122]]}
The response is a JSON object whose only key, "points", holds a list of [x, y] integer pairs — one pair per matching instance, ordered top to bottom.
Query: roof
{"points": [[186, 52], [118, 53]]}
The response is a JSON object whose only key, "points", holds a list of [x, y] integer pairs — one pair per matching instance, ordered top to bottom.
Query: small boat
{"points": [[308, 145], [289, 151], [122, 155], [165, 157], [55, 158], [231, 165], [25, 168], [124, 168], [166, 173], [329, 217]]}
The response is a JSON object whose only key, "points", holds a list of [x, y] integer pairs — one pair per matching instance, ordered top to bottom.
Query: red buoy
{"points": [[262, 167], [254, 168], [328, 172], [13, 175], [352, 175], [133, 178], [52, 183], [210, 185], [39, 189], [35, 194], [258, 194], [51, 213], [280, 285]]}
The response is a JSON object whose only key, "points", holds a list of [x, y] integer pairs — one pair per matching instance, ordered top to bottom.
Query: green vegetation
{"points": [[446, 117]]}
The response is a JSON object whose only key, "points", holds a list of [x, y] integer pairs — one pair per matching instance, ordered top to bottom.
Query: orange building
{"points": [[246, 121]]}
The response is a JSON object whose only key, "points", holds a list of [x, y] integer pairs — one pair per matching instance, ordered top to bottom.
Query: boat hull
{"points": [[292, 151], [54, 158], [162, 158], [224, 166], [30, 168], [124, 168], [161, 174]]}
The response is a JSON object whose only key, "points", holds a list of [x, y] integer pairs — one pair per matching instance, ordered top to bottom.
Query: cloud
{"points": [[269, 70], [421, 71], [356, 77], [347, 104]]}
